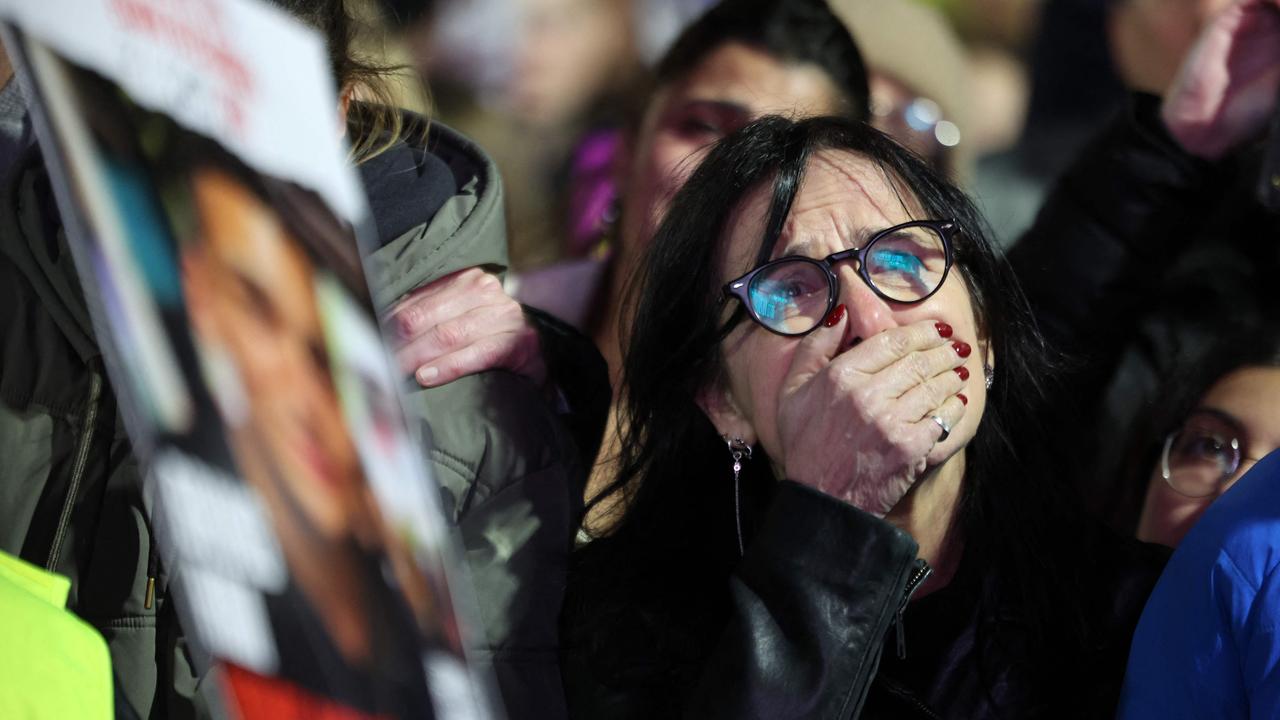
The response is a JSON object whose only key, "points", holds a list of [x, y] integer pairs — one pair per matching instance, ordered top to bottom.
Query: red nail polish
{"points": [[834, 316], [944, 329], [962, 348], [963, 372], [963, 400]]}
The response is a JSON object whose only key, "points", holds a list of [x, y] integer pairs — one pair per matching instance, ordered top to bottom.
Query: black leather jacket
{"points": [[813, 622], [796, 630]]}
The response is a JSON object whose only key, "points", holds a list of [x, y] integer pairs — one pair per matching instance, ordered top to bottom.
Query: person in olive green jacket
{"points": [[511, 471]]}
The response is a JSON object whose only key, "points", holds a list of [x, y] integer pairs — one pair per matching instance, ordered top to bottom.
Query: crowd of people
{"points": [[761, 416]]}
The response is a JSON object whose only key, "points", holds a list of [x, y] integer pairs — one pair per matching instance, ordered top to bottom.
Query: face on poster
{"points": [[238, 321]]}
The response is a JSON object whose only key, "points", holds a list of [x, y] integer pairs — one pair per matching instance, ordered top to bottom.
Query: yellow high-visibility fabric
{"points": [[52, 663]]}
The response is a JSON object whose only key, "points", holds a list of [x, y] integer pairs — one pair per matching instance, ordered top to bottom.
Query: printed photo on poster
{"points": [[304, 536]]}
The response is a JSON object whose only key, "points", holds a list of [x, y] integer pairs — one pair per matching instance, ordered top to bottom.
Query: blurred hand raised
{"points": [[1228, 84], [461, 324]]}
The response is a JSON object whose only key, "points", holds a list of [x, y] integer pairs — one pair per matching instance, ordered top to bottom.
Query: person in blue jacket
{"points": [[1208, 643]]}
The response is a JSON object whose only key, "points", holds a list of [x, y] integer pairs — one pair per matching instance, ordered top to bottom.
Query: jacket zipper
{"points": [[77, 471], [918, 576], [150, 597], [907, 697]]}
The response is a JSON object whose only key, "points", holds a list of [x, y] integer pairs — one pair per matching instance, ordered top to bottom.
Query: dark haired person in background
{"points": [[1153, 244], [1217, 416]]}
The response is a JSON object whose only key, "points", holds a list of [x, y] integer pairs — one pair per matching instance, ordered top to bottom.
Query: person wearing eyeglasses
{"points": [[1220, 414], [837, 502], [1207, 643]]}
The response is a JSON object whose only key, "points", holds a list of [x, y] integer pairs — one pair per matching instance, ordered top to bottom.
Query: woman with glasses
{"points": [[1220, 415], [836, 502], [1206, 645]]}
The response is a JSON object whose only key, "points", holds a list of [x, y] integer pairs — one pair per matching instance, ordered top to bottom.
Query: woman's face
{"points": [[732, 86], [843, 199], [252, 301], [1251, 398]]}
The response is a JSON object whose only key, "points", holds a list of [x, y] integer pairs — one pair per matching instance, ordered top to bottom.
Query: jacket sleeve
{"points": [[1111, 225], [577, 372], [510, 477], [511, 483], [812, 599]]}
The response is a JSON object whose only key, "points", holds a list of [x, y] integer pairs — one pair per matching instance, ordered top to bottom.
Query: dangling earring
{"points": [[612, 211], [607, 232], [990, 375], [739, 449]]}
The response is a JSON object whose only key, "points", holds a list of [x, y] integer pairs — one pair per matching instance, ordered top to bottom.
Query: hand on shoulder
{"points": [[462, 324]]}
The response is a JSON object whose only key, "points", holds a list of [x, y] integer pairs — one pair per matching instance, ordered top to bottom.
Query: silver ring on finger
{"points": [[946, 429]]}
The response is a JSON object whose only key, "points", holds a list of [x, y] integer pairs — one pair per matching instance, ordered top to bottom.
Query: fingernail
{"points": [[834, 316], [943, 329], [962, 348], [963, 372], [427, 375], [963, 400]]}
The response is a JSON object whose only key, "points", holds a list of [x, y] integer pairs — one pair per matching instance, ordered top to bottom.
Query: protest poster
{"points": [[215, 222]]}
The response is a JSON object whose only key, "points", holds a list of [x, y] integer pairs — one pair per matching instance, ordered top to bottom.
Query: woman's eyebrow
{"points": [[720, 106], [862, 235], [805, 245], [799, 246], [1219, 412], [1235, 424]]}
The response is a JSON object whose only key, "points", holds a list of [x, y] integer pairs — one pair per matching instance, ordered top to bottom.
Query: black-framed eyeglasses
{"points": [[906, 263], [1200, 457]]}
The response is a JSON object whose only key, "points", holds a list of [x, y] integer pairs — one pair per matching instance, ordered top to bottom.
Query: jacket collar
{"points": [[467, 230]]}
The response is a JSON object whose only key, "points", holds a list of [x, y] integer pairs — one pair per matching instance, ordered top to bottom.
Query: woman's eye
{"points": [[694, 125], [797, 285], [777, 294], [775, 298], [1207, 446], [1209, 449]]}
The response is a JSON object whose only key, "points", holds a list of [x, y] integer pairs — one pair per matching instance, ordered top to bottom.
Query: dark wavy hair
{"points": [[801, 31], [1018, 521]]}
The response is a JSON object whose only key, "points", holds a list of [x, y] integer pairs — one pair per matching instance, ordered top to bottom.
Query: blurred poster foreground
{"points": [[194, 149]]}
